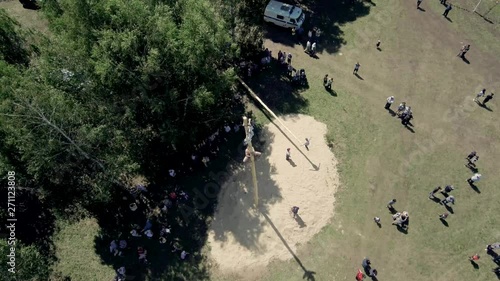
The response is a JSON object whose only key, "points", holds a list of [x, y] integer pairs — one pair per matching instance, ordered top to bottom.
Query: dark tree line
{"points": [[119, 88]]}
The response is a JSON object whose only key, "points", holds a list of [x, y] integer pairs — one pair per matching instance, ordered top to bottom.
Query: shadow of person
{"points": [[421, 10], [448, 19], [379, 49], [465, 60], [359, 77], [332, 92], [484, 106], [391, 112], [410, 129], [291, 162], [474, 187], [435, 199], [450, 209], [393, 210], [301, 222], [444, 222], [379, 225], [401, 229], [474, 264]]}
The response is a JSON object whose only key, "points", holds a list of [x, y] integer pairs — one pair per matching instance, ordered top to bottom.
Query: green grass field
{"points": [[379, 158]]}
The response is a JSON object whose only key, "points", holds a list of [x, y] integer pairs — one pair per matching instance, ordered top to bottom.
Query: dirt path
{"points": [[243, 241]]}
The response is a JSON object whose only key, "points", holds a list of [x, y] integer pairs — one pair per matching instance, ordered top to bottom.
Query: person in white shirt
{"points": [[480, 94], [390, 101], [307, 143], [171, 172], [476, 177], [134, 233], [184, 254]]}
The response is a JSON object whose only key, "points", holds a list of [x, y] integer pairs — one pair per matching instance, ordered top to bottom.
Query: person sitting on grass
{"points": [[142, 254]]}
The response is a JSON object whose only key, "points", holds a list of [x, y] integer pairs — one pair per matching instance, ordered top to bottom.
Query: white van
{"points": [[284, 15]]}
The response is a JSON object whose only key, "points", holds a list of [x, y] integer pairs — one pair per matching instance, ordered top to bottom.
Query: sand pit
{"points": [[243, 240]]}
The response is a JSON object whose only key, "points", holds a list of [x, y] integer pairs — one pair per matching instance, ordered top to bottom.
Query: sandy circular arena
{"points": [[242, 239]]}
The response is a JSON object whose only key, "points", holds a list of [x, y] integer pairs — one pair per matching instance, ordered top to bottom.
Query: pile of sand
{"points": [[242, 239]]}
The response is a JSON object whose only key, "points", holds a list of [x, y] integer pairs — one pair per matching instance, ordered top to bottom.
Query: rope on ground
{"points": [[255, 97]]}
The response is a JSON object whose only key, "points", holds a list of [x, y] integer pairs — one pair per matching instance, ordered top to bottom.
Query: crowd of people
{"points": [[159, 214]]}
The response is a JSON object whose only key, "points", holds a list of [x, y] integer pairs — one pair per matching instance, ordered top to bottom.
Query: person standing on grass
{"points": [[418, 3], [447, 10], [378, 44], [308, 46], [313, 48], [466, 49], [289, 58], [356, 68], [325, 79], [329, 83], [480, 94], [488, 98], [390, 100], [288, 155], [470, 156], [472, 162], [475, 178], [448, 189], [431, 195], [449, 199], [391, 203], [474, 258]]}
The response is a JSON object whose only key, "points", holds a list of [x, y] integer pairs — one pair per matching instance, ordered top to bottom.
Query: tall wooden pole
{"points": [[249, 134]]}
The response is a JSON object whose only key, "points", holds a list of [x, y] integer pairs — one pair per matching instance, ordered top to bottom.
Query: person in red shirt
{"points": [[474, 258]]}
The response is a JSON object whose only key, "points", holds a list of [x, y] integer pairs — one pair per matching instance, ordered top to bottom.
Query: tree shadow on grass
{"points": [[326, 15], [275, 88], [188, 220], [35, 222]]}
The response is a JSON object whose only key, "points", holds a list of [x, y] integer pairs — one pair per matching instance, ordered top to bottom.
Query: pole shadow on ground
{"points": [[308, 274]]}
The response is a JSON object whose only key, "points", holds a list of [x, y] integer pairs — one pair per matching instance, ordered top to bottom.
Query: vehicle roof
{"points": [[282, 8]]}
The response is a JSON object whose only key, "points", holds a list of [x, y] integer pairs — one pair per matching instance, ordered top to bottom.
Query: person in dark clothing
{"points": [[447, 10], [488, 98], [448, 189]]}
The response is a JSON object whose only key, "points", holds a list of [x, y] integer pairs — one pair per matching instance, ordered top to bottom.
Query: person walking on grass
{"points": [[447, 10], [378, 44], [356, 68], [325, 79], [329, 83], [480, 94], [488, 98], [390, 101], [307, 143], [288, 155], [470, 156], [475, 178], [448, 189], [434, 191], [449, 199], [391, 203], [474, 258]]}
